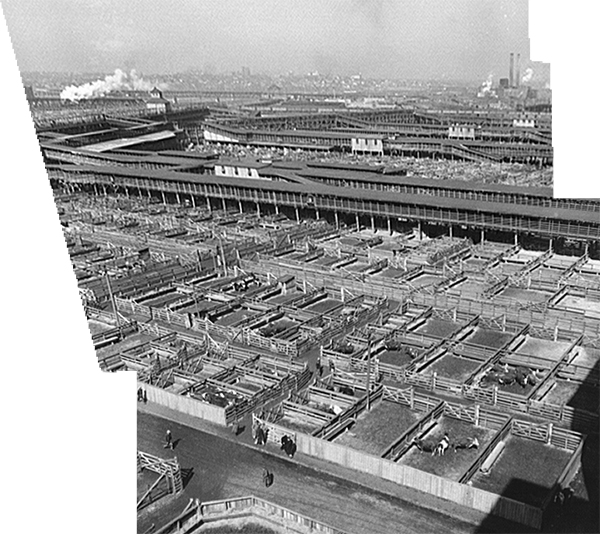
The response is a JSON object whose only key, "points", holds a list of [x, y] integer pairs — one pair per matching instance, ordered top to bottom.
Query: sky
{"points": [[404, 39]]}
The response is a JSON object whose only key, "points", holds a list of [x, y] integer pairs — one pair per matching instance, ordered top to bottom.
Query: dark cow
{"points": [[393, 344], [343, 348], [504, 375], [346, 390], [465, 443], [426, 445], [288, 446], [433, 446]]}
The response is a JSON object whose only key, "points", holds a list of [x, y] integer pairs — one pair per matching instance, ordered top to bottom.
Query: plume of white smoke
{"points": [[527, 76], [119, 81], [486, 87]]}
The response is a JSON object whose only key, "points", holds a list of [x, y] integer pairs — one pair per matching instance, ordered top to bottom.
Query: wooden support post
{"points": [[162, 194], [178, 198], [193, 200], [224, 203], [208, 204], [240, 206], [277, 209], [317, 214], [297, 215], [337, 221], [357, 223], [372, 224], [389, 224], [420, 230], [482, 235], [516, 238], [369, 373], [433, 380], [495, 395], [477, 415], [549, 437]]}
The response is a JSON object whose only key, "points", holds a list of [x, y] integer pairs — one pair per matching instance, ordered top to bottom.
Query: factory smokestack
{"points": [[518, 72], [511, 80]]}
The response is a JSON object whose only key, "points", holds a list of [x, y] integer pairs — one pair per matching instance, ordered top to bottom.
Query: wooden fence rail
{"points": [[462, 494]]}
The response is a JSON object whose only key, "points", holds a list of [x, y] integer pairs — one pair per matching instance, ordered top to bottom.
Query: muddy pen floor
{"points": [[438, 328], [486, 337], [453, 367], [583, 396], [377, 429], [452, 465], [525, 471]]}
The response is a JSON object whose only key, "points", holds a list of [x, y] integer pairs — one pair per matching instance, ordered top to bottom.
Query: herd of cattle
{"points": [[504, 375], [440, 447]]}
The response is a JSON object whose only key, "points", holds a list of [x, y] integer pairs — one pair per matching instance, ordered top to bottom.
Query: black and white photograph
{"points": [[325, 238]]}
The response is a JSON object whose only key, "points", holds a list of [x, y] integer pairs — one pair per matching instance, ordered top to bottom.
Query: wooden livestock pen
{"points": [[462, 494]]}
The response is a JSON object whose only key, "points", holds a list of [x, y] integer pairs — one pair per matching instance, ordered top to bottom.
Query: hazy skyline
{"points": [[413, 39]]}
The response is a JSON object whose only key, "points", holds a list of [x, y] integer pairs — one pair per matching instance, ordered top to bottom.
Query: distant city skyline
{"points": [[396, 39]]}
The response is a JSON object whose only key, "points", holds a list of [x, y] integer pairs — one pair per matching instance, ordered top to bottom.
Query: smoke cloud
{"points": [[527, 76], [119, 81], [486, 87]]}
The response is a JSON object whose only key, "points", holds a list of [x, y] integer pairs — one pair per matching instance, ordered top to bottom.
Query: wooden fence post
{"points": [[495, 395], [477, 415], [549, 437]]}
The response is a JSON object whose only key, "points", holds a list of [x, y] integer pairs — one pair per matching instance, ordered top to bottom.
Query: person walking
{"points": [[169, 440], [267, 477]]}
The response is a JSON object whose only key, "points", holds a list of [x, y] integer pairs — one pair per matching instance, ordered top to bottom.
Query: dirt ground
{"points": [[578, 303], [323, 306], [97, 326], [439, 328], [487, 337], [550, 350], [587, 357], [397, 358], [450, 366], [574, 394], [377, 429], [452, 465], [218, 469], [525, 470]]}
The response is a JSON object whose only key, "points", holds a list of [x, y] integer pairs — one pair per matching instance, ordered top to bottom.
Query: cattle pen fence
{"points": [[458, 492], [197, 514]]}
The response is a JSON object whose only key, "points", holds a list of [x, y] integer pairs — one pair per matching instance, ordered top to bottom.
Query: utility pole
{"points": [[112, 300], [369, 372]]}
